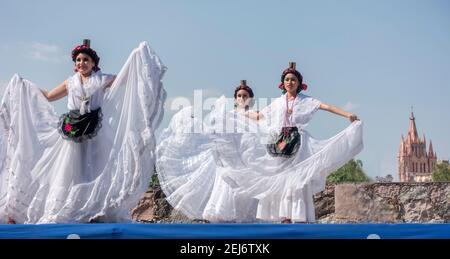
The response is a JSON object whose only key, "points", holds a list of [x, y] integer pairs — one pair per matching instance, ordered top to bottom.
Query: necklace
{"points": [[290, 110]]}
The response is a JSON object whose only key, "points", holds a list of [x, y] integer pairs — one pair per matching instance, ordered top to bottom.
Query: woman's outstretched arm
{"points": [[109, 84], [57, 93], [335, 110], [254, 115]]}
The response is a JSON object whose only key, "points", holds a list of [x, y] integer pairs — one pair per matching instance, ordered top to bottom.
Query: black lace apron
{"points": [[76, 127], [288, 140]]}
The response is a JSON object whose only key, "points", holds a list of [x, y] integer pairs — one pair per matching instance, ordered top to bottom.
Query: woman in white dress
{"points": [[193, 155], [92, 163], [296, 165], [225, 204]]}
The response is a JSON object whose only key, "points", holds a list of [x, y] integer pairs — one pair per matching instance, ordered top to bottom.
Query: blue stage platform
{"points": [[226, 231]]}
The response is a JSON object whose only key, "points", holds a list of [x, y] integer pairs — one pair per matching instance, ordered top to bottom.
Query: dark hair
{"points": [[88, 51], [292, 70], [296, 74], [245, 87]]}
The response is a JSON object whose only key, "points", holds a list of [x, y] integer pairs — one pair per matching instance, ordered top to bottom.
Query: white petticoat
{"points": [[231, 177], [46, 179]]}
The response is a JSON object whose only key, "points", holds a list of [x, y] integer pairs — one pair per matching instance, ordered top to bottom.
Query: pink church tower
{"points": [[415, 164]]}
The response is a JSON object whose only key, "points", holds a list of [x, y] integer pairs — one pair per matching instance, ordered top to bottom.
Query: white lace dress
{"points": [[219, 176], [45, 178]]}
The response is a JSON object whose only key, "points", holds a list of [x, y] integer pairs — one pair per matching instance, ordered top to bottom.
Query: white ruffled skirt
{"points": [[231, 177], [46, 179]]}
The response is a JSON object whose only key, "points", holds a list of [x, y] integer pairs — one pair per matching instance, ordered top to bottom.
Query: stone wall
{"points": [[343, 203], [392, 203]]}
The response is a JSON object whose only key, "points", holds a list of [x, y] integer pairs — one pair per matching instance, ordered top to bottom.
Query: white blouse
{"points": [[89, 96], [303, 107]]}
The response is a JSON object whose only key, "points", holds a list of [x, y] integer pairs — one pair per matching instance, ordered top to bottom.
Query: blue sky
{"points": [[375, 58]]}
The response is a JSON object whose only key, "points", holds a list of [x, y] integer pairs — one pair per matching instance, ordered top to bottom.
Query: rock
{"points": [[324, 202], [152, 207]]}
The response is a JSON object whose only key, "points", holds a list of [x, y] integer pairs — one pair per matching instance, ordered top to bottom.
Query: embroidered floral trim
{"points": [[68, 128]]}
